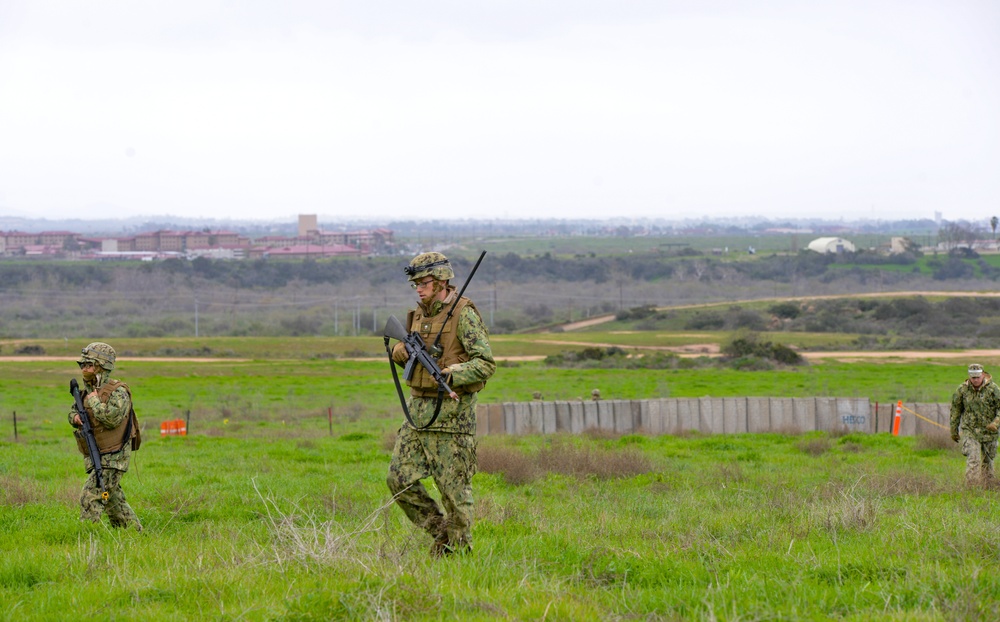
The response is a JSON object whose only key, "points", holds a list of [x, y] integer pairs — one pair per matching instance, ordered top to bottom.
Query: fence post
{"points": [[15, 426]]}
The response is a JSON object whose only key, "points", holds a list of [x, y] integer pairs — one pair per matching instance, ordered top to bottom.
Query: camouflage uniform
{"points": [[111, 415], [975, 416], [446, 451]]}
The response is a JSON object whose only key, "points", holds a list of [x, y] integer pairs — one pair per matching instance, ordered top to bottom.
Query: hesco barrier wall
{"points": [[711, 415]]}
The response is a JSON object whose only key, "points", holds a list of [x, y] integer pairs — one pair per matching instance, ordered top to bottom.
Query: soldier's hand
{"points": [[400, 353], [77, 422], [992, 427], [954, 437]]}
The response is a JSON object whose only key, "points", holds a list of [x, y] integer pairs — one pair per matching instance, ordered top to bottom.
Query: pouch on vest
{"points": [[81, 442]]}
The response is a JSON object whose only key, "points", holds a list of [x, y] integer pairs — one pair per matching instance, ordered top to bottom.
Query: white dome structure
{"points": [[831, 245]]}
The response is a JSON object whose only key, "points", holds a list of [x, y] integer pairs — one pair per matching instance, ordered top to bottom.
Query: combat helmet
{"points": [[429, 264], [99, 353]]}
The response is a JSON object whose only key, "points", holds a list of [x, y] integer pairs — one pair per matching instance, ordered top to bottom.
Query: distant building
{"points": [[307, 225], [311, 242], [46, 243], [831, 245], [898, 245], [303, 251]]}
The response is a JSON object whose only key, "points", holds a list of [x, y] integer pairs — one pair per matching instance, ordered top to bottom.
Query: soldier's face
{"points": [[427, 289], [89, 371], [976, 380]]}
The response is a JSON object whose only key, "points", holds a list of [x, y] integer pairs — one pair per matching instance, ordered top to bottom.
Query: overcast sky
{"points": [[500, 109]]}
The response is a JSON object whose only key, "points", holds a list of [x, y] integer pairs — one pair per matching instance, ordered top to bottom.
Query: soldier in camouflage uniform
{"points": [[109, 407], [975, 418], [445, 451]]}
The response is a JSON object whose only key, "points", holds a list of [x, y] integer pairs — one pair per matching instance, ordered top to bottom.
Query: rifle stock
{"points": [[88, 433]]}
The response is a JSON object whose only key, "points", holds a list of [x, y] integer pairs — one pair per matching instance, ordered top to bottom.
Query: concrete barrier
{"points": [[932, 412], [804, 413], [589, 414], [758, 414], [606, 415], [710, 415], [734, 415], [853, 415], [688, 416], [781, 416], [535, 418], [495, 422]]}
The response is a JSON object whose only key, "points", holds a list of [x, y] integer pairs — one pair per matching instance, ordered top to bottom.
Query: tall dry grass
{"points": [[563, 458]]}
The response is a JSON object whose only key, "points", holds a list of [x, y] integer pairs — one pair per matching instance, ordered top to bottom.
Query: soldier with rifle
{"points": [[444, 349], [106, 431]]}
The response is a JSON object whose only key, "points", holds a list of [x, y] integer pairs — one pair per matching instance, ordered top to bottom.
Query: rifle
{"points": [[419, 354], [88, 433]]}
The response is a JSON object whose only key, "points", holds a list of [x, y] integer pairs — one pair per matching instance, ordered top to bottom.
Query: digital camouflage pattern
{"points": [[430, 264], [99, 353], [972, 410], [446, 451], [979, 459], [451, 460], [115, 464], [92, 506]]}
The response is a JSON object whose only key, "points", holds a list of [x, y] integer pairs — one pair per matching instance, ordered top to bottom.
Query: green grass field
{"points": [[275, 510]]}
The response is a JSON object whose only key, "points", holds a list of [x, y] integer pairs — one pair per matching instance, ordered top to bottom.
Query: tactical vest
{"points": [[423, 384], [110, 441]]}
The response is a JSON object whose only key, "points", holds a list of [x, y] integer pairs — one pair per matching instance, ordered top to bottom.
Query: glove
{"points": [[399, 353], [992, 427], [954, 437]]}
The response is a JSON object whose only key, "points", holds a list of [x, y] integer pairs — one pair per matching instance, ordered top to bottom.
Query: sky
{"points": [[262, 110]]}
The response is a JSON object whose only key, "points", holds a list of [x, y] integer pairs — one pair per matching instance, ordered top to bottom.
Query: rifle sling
{"points": [[402, 400]]}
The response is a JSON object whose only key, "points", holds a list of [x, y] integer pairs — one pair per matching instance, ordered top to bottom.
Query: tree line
{"points": [[205, 296]]}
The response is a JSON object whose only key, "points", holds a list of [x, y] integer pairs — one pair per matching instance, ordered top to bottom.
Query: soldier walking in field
{"points": [[108, 406], [975, 418], [437, 439]]}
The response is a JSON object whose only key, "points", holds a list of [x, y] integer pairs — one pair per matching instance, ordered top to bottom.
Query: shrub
{"points": [[954, 269], [786, 310], [636, 313], [742, 318], [708, 320], [743, 344], [30, 350], [747, 351], [785, 355], [815, 446], [507, 462]]}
